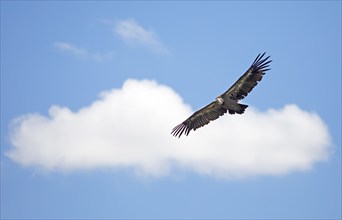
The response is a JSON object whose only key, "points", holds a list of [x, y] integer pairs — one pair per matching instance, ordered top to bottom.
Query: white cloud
{"points": [[135, 34], [72, 49], [82, 52], [129, 128]]}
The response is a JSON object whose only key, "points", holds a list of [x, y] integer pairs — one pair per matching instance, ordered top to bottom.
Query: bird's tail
{"points": [[240, 109]]}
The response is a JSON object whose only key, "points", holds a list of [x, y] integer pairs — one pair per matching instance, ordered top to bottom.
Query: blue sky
{"points": [[91, 90]]}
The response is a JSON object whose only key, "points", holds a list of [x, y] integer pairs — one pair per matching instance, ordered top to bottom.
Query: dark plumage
{"points": [[228, 101]]}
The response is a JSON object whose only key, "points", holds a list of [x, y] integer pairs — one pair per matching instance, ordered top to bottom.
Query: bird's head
{"points": [[219, 100]]}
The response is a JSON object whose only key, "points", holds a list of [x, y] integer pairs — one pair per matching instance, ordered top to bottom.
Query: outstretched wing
{"points": [[249, 79], [199, 118]]}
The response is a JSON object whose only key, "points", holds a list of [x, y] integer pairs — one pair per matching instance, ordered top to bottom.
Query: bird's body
{"points": [[228, 101], [231, 105]]}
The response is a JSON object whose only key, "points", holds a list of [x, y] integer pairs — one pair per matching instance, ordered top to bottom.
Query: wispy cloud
{"points": [[137, 35], [71, 49], [82, 53], [130, 128]]}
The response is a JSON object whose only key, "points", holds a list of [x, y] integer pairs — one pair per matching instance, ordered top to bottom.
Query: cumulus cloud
{"points": [[135, 34], [82, 52], [129, 128]]}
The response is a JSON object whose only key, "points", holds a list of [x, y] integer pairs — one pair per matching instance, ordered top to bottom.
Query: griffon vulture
{"points": [[228, 101]]}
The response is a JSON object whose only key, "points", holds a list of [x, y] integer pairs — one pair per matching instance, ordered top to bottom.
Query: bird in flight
{"points": [[228, 101]]}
